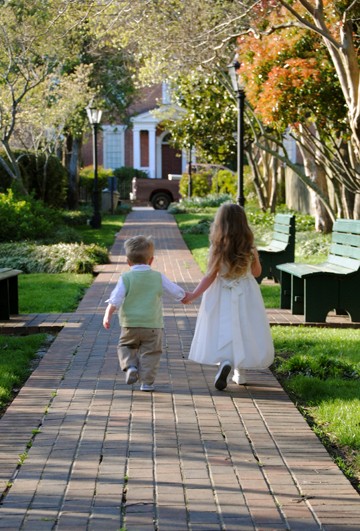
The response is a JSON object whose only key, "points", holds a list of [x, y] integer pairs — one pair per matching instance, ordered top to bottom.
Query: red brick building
{"points": [[144, 144]]}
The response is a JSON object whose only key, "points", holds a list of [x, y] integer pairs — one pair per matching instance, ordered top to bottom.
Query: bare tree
{"points": [[33, 47]]}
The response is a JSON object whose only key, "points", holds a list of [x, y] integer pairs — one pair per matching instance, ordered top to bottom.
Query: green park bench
{"points": [[281, 248], [314, 290], [9, 298]]}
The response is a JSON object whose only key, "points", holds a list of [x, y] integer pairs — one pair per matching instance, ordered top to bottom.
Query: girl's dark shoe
{"points": [[221, 375]]}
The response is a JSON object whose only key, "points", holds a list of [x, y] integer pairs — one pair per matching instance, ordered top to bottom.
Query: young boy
{"points": [[138, 294]]}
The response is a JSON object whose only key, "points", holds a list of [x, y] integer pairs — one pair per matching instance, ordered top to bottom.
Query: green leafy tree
{"points": [[203, 33], [291, 82], [110, 85], [208, 118], [331, 131], [224, 182], [200, 185]]}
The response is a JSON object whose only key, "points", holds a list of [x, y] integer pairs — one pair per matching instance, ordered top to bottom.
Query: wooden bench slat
{"points": [[285, 219], [347, 225], [284, 229], [278, 236], [346, 239], [276, 244], [272, 248], [281, 248], [346, 251], [348, 263], [296, 269], [336, 269], [302, 270], [9, 274]]}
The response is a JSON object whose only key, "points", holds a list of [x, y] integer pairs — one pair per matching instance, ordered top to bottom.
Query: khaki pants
{"points": [[141, 348]]}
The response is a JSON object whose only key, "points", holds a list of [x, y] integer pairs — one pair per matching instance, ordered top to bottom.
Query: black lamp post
{"points": [[240, 94], [94, 116], [190, 172]]}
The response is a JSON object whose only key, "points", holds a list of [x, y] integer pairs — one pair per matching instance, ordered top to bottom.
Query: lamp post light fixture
{"points": [[238, 88], [94, 116]]}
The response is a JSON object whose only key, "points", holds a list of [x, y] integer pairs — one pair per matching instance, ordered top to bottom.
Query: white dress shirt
{"points": [[118, 293]]}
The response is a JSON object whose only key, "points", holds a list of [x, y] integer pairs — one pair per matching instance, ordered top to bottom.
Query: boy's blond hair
{"points": [[139, 249]]}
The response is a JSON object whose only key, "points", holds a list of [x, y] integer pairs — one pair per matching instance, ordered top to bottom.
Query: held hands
{"points": [[200, 288], [188, 298]]}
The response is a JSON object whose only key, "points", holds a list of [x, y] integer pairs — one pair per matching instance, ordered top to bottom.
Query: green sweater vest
{"points": [[142, 306]]}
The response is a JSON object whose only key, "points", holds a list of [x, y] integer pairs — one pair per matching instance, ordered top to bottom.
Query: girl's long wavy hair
{"points": [[231, 241]]}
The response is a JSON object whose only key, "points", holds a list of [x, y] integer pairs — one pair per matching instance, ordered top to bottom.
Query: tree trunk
{"points": [[12, 167], [317, 175], [256, 179], [273, 183], [281, 196], [347, 202], [357, 206], [323, 221]]}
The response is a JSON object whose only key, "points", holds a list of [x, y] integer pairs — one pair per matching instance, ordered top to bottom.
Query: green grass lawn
{"points": [[104, 236], [52, 293], [16, 356], [318, 367]]}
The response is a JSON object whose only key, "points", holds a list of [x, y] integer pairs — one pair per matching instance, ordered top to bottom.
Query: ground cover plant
{"points": [[74, 249], [57, 258], [318, 367]]}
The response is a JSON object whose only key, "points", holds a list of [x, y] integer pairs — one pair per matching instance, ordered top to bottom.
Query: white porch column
{"points": [[136, 148], [152, 151], [184, 160]]}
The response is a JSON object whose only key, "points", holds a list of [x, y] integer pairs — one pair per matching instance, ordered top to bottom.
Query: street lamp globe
{"points": [[94, 115]]}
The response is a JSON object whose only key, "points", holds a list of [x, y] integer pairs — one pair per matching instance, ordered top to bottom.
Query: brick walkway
{"points": [[103, 455]]}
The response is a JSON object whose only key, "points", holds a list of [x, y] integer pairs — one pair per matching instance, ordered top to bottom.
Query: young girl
{"points": [[232, 329]]}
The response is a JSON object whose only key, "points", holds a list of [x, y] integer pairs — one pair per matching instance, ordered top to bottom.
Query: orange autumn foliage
{"points": [[282, 73]]}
